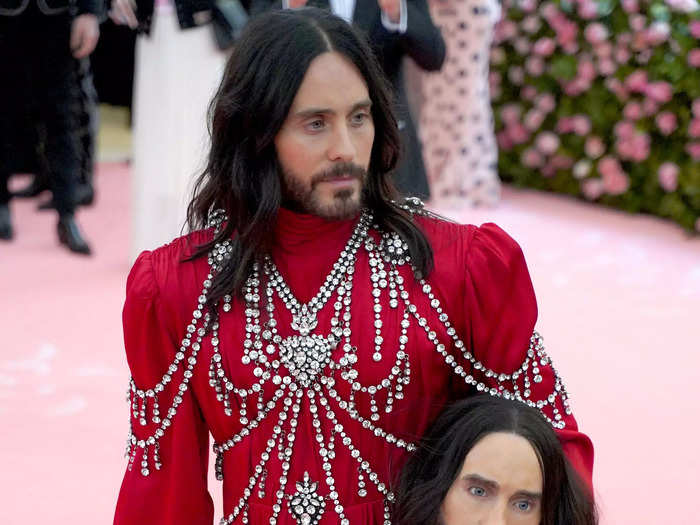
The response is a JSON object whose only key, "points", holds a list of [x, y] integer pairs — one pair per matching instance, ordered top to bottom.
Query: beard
{"points": [[343, 203]]}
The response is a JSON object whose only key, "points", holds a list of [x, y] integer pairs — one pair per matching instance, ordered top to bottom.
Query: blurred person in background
{"points": [[395, 29], [39, 43], [178, 67], [456, 119], [35, 161], [491, 460]]}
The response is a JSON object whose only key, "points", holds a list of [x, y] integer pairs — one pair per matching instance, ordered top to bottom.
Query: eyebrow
{"points": [[310, 112], [493, 485]]}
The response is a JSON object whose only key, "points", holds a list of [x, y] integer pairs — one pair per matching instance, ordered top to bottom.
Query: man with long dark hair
{"points": [[313, 323]]}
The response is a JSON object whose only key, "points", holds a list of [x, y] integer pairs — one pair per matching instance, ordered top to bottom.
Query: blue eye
{"points": [[359, 118], [315, 125], [477, 491], [523, 505]]}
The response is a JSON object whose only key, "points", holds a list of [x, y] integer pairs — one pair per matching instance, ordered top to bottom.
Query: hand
{"points": [[294, 4], [392, 9], [123, 12], [84, 34]]}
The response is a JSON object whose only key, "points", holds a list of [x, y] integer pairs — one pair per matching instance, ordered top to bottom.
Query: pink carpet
{"points": [[619, 307]]}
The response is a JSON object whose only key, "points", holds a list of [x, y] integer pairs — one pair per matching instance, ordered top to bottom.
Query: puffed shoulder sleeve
{"points": [[506, 355], [167, 448]]}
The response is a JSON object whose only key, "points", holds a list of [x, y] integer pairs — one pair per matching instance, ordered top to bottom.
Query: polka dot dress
{"points": [[459, 145]]}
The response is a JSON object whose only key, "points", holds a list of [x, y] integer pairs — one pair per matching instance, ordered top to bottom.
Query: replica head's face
{"points": [[325, 144], [500, 483]]}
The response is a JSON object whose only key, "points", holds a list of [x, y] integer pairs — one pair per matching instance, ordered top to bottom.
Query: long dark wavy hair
{"points": [[242, 176], [430, 472]]}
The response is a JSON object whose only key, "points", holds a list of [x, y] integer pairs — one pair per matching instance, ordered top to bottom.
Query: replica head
{"points": [[302, 119], [488, 460]]}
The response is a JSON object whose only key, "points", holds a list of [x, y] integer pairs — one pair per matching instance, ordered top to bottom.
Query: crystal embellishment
{"points": [[305, 321], [306, 356], [305, 505]]}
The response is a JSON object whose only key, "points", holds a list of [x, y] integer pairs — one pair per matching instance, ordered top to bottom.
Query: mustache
{"points": [[343, 170]]}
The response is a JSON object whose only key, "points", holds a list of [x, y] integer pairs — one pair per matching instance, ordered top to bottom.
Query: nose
{"points": [[341, 147], [496, 516]]}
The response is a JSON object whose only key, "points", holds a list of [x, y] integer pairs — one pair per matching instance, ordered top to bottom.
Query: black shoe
{"points": [[33, 189], [84, 196], [6, 232], [69, 234]]}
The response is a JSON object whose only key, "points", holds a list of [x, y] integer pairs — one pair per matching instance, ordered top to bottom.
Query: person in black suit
{"points": [[394, 29], [39, 42]]}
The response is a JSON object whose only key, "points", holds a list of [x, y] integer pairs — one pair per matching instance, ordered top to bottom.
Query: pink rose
{"points": [[528, 6], [630, 6], [683, 6], [549, 10], [587, 10], [638, 22], [531, 24], [694, 27], [505, 30], [567, 32], [595, 33], [657, 33], [624, 38], [522, 45], [544, 47], [570, 48], [603, 50], [498, 55], [622, 55], [694, 57], [534, 65], [607, 67], [586, 70], [516, 75], [494, 79], [637, 81], [576, 87], [617, 87], [661, 92], [529, 93], [546, 102], [650, 107], [696, 107], [632, 111], [510, 113], [533, 119], [666, 122], [565, 125], [581, 125], [694, 128], [624, 129], [518, 133], [504, 142], [547, 142], [594, 147], [635, 147], [693, 149], [532, 158], [608, 165], [668, 176], [615, 181], [592, 188]]}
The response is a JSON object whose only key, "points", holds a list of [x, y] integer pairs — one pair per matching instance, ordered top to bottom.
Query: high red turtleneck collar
{"points": [[302, 233], [306, 247]]}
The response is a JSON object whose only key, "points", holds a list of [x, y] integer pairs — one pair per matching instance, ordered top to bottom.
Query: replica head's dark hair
{"points": [[242, 176], [430, 472]]}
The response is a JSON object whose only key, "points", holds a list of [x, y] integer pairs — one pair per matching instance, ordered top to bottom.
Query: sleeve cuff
{"points": [[394, 27]]}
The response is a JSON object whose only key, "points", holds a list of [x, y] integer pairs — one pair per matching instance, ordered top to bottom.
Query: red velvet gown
{"points": [[482, 282]]}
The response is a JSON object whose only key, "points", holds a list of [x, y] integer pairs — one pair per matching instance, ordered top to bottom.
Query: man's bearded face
{"points": [[325, 144]]}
